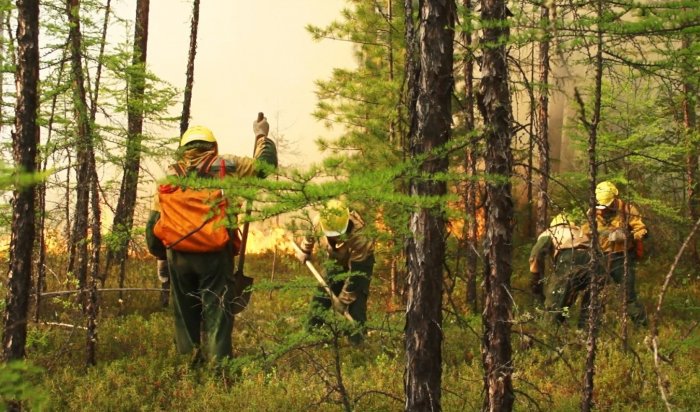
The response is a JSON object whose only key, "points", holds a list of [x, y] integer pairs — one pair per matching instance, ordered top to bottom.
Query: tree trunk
{"points": [[189, 81], [494, 103], [431, 124], [691, 124], [542, 144], [24, 148], [470, 165], [41, 206], [124, 213], [78, 262], [596, 283]]}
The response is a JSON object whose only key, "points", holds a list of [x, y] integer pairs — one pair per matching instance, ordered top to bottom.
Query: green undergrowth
{"points": [[278, 366]]}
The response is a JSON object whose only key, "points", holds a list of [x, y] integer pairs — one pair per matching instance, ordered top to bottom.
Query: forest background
{"points": [[459, 130]]}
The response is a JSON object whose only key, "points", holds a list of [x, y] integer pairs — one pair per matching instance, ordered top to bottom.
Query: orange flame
{"points": [[268, 240]]}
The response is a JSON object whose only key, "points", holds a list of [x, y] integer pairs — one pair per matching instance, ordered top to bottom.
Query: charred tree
{"points": [[189, 80], [494, 103], [430, 130], [24, 149], [124, 213]]}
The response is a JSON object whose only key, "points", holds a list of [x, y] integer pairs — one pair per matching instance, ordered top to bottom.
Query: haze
{"points": [[252, 56]]}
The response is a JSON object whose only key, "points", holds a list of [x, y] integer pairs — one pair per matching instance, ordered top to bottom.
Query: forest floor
{"points": [[278, 366]]}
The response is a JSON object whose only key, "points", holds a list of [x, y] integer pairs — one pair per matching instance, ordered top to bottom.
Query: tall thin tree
{"points": [[189, 79], [494, 103], [431, 120], [542, 139], [24, 148], [472, 188], [124, 213], [78, 260], [595, 285]]}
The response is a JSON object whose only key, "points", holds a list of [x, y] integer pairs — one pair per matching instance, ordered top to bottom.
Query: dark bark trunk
{"points": [[98, 75], [189, 81], [495, 107], [431, 117], [542, 145], [24, 149], [470, 166], [124, 213], [78, 262], [596, 283]]}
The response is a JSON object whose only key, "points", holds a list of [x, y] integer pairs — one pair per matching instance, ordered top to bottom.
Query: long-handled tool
{"points": [[242, 283], [337, 305]]}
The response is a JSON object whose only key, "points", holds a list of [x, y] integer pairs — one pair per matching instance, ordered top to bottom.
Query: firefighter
{"points": [[621, 231], [343, 234], [570, 247], [202, 278]]}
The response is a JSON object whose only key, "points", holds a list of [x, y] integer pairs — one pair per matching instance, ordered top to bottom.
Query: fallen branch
{"points": [[71, 292], [64, 325]]}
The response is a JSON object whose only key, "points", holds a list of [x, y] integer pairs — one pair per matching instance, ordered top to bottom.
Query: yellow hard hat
{"points": [[197, 133], [605, 193], [335, 218], [561, 219]]}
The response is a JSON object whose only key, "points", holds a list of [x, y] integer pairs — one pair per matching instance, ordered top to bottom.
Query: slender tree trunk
{"points": [[2, 73], [98, 75], [189, 81], [494, 103], [431, 117], [691, 127], [542, 144], [24, 148], [470, 165], [41, 207], [124, 213], [79, 261], [595, 286], [92, 306]]}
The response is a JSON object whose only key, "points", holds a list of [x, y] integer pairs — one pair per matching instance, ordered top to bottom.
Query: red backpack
{"points": [[193, 220]]}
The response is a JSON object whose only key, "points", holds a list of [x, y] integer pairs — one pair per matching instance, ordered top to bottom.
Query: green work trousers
{"points": [[615, 263], [571, 275], [357, 283], [202, 285]]}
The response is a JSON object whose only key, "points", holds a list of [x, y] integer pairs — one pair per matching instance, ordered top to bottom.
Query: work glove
{"points": [[260, 126], [642, 234], [618, 235], [301, 255], [163, 272], [347, 297], [339, 306]]}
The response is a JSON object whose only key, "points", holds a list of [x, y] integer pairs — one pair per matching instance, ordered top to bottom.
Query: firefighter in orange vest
{"points": [[202, 282]]}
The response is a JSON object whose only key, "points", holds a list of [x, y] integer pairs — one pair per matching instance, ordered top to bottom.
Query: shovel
{"points": [[241, 282], [335, 302]]}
